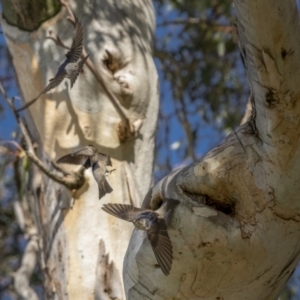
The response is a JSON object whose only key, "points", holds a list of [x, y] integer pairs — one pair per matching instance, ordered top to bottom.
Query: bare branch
{"points": [[66, 4], [52, 36], [58, 168], [71, 181], [23, 275]]}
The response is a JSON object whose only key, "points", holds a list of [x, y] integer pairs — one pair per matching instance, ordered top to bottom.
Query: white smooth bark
{"points": [[236, 233], [82, 248]]}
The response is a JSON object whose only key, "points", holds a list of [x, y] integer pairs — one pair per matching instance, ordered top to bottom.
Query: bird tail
{"points": [[27, 104], [104, 188]]}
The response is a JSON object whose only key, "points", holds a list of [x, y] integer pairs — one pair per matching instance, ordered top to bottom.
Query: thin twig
{"points": [[70, 12], [58, 168], [71, 181]]}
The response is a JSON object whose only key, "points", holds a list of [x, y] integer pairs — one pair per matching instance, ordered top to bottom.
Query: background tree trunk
{"points": [[236, 232], [81, 248]]}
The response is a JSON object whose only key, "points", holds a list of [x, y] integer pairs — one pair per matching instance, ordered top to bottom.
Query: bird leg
{"points": [[109, 171]]}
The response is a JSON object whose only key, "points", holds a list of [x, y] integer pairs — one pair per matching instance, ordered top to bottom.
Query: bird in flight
{"points": [[70, 68], [88, 157], [153, 223]]}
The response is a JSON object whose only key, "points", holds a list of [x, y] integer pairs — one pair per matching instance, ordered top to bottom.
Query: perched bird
{"points": [[70, 68], [89, 156], [153, 223]]}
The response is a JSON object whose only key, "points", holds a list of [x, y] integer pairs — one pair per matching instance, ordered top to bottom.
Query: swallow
{"points": [[70, 68], [88, 157], [153, 223]]}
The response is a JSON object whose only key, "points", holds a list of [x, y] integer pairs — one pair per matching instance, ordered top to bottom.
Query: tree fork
{"points": [[235, 234], [82, 245]]}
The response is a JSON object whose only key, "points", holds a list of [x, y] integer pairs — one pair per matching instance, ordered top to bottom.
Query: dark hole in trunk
{"points": [[226, 208]]}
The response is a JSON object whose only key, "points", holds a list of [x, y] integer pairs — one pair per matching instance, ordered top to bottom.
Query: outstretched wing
{"points": [[76, 49], [54, 82], [86, 151], [74, 159], [122, 211], [161, 245]]}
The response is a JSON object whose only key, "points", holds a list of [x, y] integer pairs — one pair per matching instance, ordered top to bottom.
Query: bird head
{"points": [[140, 222]]}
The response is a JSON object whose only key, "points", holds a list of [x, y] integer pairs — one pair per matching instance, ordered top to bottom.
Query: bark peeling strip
{"points": [[108, 282]]}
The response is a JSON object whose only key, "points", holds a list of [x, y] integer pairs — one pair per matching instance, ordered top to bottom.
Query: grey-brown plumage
{"points": [[70, 68], [89, 156], [153, 223]]}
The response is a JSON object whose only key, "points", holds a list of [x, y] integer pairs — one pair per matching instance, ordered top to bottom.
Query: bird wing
{"points": [[76, 49], [54, 82], [86, 151], [74, 159], [98, 171], [122, 211], [161, 245]]}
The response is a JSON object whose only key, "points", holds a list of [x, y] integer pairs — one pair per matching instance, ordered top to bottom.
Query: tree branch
{"points": [[71, 180]]}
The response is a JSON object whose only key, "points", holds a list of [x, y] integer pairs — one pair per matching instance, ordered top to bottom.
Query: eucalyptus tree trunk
{"points": [[236, 232], [81, 248]]}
